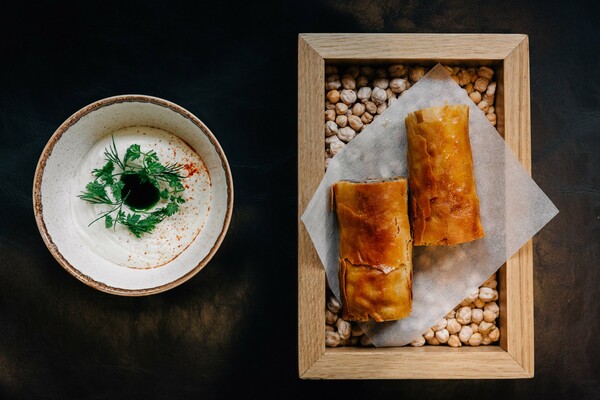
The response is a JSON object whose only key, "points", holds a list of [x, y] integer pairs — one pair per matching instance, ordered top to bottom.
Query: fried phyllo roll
{"points": [[444, 206], [375, 249]]}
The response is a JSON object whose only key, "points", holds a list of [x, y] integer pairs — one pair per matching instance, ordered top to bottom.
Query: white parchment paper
{"points": [[513, 208]]}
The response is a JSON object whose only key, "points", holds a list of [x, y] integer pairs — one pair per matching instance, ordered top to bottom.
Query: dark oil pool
{"points": [[137, 194]]}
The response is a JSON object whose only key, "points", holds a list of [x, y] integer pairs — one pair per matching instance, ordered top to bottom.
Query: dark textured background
{"points": [[231, 331]]}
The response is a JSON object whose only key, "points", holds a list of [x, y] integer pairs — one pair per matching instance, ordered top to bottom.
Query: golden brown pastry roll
{"points": [[443, 197], [375, 249]]}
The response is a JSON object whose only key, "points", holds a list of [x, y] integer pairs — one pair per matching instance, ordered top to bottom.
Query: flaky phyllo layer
{"points": [[444, 206], [375, 248]]}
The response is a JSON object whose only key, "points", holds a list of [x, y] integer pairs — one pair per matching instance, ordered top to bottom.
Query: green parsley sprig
{"points": [[107, 188]]}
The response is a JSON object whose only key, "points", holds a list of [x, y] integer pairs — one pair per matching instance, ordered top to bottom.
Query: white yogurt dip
{"points": [[171, 236]]}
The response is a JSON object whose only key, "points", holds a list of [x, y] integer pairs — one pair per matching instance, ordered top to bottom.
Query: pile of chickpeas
{"points": [[357, 95]]}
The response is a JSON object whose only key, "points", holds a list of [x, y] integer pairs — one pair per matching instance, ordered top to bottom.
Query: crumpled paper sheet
{"points": [[513, 208]]}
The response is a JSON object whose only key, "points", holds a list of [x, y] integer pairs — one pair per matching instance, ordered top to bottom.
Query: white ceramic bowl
{"points": [[53, 195]]}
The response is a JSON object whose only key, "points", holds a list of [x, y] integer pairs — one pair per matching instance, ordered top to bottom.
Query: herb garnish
{"points": [[108, 188]]}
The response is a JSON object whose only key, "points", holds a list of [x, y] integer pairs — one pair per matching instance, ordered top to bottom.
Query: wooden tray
{"points": [[514, 356]]}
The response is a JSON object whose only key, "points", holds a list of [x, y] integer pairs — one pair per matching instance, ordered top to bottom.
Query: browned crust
{"points": [[443, 197], [375, 245], [369, 293]]}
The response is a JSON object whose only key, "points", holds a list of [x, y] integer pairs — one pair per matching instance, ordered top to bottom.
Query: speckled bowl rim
{"points": [[37, 193]]}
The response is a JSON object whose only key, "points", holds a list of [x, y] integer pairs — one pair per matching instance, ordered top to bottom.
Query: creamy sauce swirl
{"points": [[171, 236]]}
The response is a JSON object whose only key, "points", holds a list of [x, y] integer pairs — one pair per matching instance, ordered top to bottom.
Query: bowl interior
{"points": [[53, 193]]}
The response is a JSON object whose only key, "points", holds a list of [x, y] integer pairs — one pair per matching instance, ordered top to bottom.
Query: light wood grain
{"points": [[391, 47], [517, 128], [311, 156], [519, 319], [514, 358], [430, 362]]}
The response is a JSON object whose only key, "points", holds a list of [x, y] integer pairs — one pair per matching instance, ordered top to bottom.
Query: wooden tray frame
{"points": [[514, 356]]}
